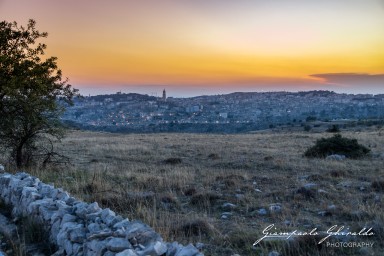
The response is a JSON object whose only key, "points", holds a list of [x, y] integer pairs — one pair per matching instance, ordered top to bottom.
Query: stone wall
{"points": [[79, 228]]}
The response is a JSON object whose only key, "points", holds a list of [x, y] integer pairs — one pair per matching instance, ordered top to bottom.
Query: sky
{"points": [[200, 47]]}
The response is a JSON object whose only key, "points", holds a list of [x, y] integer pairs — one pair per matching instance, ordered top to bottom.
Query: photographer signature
{"points": [[335, 230]]}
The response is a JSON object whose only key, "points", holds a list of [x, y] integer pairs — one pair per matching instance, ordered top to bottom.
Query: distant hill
{"points": [[228, 113]]}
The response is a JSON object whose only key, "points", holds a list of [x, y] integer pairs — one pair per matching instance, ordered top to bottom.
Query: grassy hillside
{"points": [[213, 188]]}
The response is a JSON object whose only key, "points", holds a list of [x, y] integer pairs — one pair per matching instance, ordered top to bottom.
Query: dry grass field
{"points": [[223, 190]]}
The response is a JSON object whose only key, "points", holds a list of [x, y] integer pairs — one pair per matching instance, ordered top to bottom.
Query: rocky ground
{"points": [[222, 191]]}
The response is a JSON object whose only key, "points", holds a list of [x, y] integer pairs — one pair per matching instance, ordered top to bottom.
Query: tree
{"points": [[33, 94]]}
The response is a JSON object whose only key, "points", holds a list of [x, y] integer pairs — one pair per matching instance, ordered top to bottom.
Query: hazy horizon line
{"points": [[159, 95]]}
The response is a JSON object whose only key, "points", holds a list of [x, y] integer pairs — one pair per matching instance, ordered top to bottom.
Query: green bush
{"points": [[337, 145]]}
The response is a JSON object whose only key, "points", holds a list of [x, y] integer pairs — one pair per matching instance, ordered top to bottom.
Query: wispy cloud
{"points": [[353, 80]]}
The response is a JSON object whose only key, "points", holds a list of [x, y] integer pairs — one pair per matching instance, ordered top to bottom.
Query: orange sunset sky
{"points": [[195, 47]]}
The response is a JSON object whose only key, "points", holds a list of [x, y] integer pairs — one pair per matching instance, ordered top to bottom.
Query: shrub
{"points": [[311, 119], [307, 128], [333, 128], [337, 145], [213, 156], [173, 160], [337, 173], [378, 185], [204, 199], [197, 228]]}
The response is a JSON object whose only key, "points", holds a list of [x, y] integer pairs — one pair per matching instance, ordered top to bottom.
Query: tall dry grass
{"points": [[178, 183]]}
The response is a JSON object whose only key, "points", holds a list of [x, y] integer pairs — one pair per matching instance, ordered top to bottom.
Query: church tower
{"points": [[164, 95]]}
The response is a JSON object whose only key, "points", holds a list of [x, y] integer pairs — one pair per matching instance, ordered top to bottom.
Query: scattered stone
{"points": [[336, 157], [303, 178], [345, 184], [310, 185], [322, 191], [239, 196], [228, 206], [93, 208], [275, 208], [262, 212], [324, 213], [226, 215], [69, 218], [112, 220], [287, 223], [121, 224], [77, 235], [101, 235], [118, 244], [96, 246], [200, 246], [68, 247], [77, 249], [156, 249], [188, 250], [365, 251], [128, 252], [109, 253], [274, 253]]}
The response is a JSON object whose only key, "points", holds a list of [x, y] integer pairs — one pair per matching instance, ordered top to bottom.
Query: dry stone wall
{"points": [[79, 228]]}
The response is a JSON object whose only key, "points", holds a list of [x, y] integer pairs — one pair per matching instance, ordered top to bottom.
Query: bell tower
{"points": [[164, 95]]}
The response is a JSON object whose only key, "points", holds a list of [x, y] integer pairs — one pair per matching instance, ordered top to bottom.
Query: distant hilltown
{"points": [[229, 113]]}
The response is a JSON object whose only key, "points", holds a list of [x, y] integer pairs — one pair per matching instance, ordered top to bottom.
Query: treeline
{"points": [[174, 127]]}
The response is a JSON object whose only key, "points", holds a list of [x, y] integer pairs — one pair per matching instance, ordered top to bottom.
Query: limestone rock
{"points": [[336, 157], [228, 206], [275, 208], [262, 212], [79, 228], [77, 235], [118, 244], [155, 249], [188, 250], [128, 252], [274, 253]]}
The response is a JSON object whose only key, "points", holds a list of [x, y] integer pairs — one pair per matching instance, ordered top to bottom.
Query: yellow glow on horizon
{"points": [[171, 68]]}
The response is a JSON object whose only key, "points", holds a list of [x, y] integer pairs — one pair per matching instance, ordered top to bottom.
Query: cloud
{"points": [[352, 80]]}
